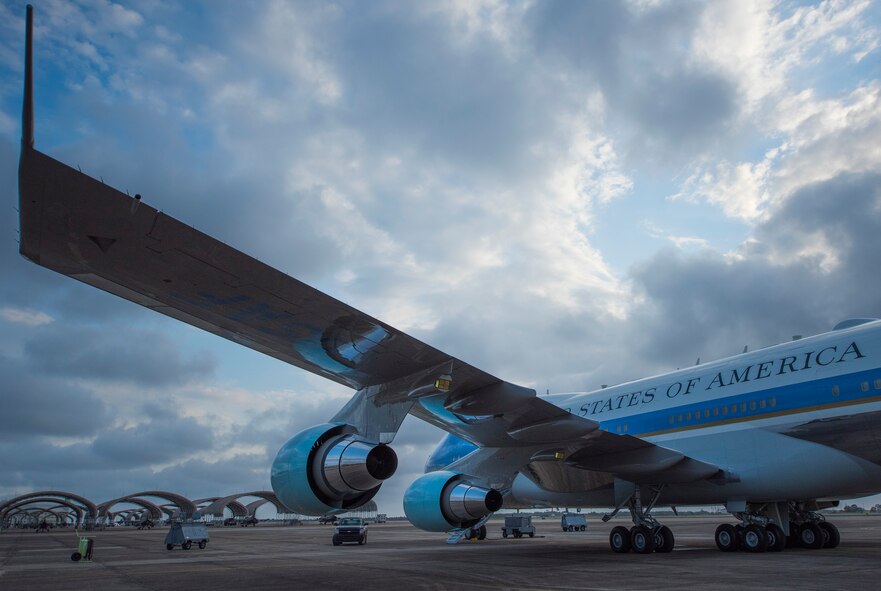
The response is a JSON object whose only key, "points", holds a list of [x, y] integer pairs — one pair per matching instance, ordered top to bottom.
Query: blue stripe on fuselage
{"points": [[755, 405]]}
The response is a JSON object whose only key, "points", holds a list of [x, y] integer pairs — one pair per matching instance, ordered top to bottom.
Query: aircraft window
{"points": [[878, 384], [864, 386], [835, 391], [773, 402], [762, 403], [752, 404], [743, 407], [734, 409], [725, 410], [716, 412], [688, 416], [680, 418], [672, 419], [625, 427]]}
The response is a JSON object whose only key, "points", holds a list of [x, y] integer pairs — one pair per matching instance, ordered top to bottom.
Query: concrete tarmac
{"points": [[398, 557]]}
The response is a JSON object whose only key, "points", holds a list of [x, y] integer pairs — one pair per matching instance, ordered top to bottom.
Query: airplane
{"points": [[775, 435]]}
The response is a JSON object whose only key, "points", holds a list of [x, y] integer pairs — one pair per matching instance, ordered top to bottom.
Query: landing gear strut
{"points": [[646, 535]]}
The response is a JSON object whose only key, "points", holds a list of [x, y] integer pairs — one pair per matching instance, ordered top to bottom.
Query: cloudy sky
{"points": [[565, 194]]}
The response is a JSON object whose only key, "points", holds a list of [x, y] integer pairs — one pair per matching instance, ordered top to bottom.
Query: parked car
{"points": [[325, 519], [229, 521], [350, 529]]}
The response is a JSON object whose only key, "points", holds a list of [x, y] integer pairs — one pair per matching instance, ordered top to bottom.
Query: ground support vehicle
{"points": [[573, 522], [518, 526], [184, 534]]}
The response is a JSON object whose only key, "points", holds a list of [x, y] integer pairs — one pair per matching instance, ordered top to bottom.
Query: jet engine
{"points": [[327, 467], [441, 501]]}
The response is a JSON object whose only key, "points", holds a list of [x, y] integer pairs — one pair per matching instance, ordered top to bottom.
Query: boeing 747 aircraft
{"points": [[774, 435]]}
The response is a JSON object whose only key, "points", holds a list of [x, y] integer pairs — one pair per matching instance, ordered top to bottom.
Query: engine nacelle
{"points": [[326, 467], [441, 501]]}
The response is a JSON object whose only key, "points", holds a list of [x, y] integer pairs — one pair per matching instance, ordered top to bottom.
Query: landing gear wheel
{"points": [[481, 533], [811, 536], [776, 537], [832, 537], [726, 538], [754, 539], [619, 540], [642, 540], [664, 540], [202, 544], [187, 545], [169, 546], [76, 556]]}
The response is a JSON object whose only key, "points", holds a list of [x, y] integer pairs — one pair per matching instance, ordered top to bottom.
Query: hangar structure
{"points": [[62, 508]]}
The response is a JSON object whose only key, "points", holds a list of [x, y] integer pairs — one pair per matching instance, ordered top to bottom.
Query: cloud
{"points": [[806, 267], [25, 316], [141, 356], [38, 407]]}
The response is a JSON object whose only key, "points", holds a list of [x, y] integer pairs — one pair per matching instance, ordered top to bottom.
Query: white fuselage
{"points": [[792, 421]]}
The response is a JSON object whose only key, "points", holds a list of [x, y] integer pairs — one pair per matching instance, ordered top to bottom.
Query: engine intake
{"points": [[327, 467], [445, 500]]}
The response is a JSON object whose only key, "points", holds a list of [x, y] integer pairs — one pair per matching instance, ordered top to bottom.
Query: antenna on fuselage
{"points": [[27, 110], [745, 348]]}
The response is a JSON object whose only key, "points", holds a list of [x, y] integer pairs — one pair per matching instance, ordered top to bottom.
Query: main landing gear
{"points": [[757, 533], [646, 535]]}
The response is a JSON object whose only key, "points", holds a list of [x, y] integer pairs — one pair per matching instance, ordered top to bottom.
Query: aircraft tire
{"points": [[481, 533], [811, 536], [833, 537], [726, 538], [754, 538], [776, 538], [619, 540], [642, 540], [664, 540], [76, 556]]}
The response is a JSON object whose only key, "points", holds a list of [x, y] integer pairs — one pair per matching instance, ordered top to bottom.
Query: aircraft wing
{"points": [[83, 228]]}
